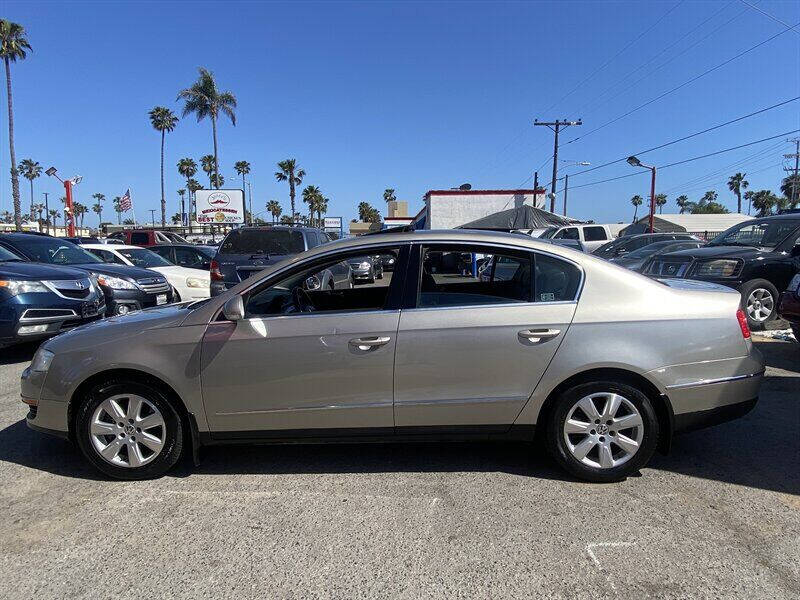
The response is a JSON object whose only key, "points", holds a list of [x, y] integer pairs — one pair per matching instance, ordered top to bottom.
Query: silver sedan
{"points": [[600, 363]]}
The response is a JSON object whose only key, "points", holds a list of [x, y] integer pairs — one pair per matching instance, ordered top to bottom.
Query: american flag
{"points": [[125, 201]]}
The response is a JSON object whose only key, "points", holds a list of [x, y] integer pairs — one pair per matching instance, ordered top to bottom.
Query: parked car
{"points": [[591, 235], [147, 237], [628, 243], [247, 250], [192, 256], [638, 258], [758, 258], [387, 262], [366, 269], [188, 284], [125, 288], [40, 301], [789, 305], [552, 349]]}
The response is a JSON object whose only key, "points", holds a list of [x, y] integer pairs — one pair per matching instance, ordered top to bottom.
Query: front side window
{"points": [[570, 233], [327, 287]]}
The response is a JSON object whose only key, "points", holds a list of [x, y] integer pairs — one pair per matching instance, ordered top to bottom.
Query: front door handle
{"points": [[538, 335], [367, 343]]}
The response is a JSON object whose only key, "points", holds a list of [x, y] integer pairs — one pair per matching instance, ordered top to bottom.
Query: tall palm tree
{"points": [[13, 46], [204, 100], [163, 119], [207, 163], [242, 167], [187, 168], [30, 170], [289, 171], [217, 180], [736, 184], [193, 185], [388, 195], [311, 196], [661, 200], [637, 202], [683, 202], [98, 207], [182, 208], [274, 208], [322, 208], [118, 209], [37, 210], [80, 212], [53, 216], [6, 217]]}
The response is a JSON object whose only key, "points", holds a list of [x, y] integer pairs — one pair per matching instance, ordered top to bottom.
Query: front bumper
{"points": [[363, 274], [134, 300], [29, 317], [47, 416]]}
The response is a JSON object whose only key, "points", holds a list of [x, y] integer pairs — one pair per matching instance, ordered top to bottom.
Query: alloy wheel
{"points": [[760, 305], [127, 430], [603, 430]]}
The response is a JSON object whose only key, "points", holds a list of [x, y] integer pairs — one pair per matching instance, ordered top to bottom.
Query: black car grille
{"points": [[668, 267], [153, 285]]}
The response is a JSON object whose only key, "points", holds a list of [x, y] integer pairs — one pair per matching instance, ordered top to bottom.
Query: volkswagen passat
{"points": [[602, 363]]}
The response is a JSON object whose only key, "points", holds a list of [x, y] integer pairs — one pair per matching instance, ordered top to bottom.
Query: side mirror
{"points": [[233, 309]]}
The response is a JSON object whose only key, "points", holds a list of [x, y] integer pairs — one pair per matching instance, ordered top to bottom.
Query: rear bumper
{"points": [[714, 416]]}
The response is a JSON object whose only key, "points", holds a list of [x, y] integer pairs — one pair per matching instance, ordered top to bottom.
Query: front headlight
{"points": [[364, 265], [722, 267], [194, 282], [115, 283], [23, 287], [41, 360]]}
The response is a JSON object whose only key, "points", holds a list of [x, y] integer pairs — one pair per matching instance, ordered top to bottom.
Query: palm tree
{"points": [[13, 46], [205, 100], [163, 119], [207, 162], [242, 167], [187, 168], [30, 170], [290, 172], [217, 180], [736, 184], [790, 187], [181, 194], [388, 195], [748, 195], [312, 196], [661, 200], [763, 201], [637, 202], [683, 202], [98, 207], [274, 208], [322, 208], [118, 209], [37, 210], [80, 211], [367, 213], [53, 216], [177, 218]]}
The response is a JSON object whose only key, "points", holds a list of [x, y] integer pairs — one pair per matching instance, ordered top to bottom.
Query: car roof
{"points": [[274, 228], [110, 246]]}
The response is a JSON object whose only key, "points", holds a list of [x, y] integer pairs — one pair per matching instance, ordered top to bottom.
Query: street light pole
{"points": [[635, 162], [566, 185], [250, 190], [68, 206], [47, 213], [153, 216]]}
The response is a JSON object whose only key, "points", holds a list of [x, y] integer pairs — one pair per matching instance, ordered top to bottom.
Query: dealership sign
{"points": [[219, 207], [333, 222]]}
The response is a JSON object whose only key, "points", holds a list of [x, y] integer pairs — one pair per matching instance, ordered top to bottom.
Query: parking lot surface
{"points": [[718, 517]]}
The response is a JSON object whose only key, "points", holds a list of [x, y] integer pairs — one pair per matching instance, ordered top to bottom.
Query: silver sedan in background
{"points": [[600, 363]]}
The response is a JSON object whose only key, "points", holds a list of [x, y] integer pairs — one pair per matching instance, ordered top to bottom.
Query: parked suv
{"points": [[591, 236], [147, 237], [629, 243], [247, 250], [758, 258], [125, 288], [40, 301]]}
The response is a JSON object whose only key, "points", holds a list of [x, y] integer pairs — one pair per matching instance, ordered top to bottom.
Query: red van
{"points": [[147, 237]]}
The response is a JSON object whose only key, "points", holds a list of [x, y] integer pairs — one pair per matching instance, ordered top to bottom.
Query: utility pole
{"points": [[555, 126], [566, 185], [535, 187], [794, 198], [47, 213], [153, 216]]}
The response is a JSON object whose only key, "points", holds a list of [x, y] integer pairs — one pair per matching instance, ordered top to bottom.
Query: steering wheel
{"points": [[302, 300]]}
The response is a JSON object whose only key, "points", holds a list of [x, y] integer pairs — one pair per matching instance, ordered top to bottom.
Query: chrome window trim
{"points": [[484, 306], [702, 382]]}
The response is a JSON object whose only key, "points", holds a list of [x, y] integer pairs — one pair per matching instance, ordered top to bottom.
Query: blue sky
{"points": [[414, 96]]}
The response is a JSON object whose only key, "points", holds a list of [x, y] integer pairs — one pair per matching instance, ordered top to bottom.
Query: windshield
{"points": [[759, 234], [174, 237], [253, 241], [649, 249], [55, 252], [7, 255], [141, 257]]}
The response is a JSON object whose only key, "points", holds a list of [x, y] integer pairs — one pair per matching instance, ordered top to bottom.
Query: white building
{"points": [[447, 209]]}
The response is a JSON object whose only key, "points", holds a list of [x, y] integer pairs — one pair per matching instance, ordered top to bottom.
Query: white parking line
{"points": [[590, 550]]}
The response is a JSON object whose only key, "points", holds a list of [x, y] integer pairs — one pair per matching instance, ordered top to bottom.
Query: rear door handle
{"points": [[538, 335], [367, 343]]}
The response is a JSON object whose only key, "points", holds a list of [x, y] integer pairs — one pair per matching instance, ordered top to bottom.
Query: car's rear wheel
{"points": [[759, 302], [129, 430], [603, 431]]}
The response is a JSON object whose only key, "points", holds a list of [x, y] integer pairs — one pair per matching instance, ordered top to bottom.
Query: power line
{"points": [[774, 18], [677, 87]]}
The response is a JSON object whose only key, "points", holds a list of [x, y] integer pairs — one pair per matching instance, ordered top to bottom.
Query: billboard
{"points": [[219, 207], [333, 222]]}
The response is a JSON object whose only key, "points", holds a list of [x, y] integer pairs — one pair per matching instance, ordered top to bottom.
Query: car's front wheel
{"points": [[759, 301], [129, 430], [603, 431]]}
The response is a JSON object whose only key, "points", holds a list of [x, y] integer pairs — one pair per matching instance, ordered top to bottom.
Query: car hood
{"points": [[719, 252], [27, 270], [116, 270], [178, 272], [119, 329]]}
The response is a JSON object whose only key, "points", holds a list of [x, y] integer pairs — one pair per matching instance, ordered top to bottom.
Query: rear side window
{"points": [[594, 234], [139, 237], [263, 241], [165, 251], [555, 280]]}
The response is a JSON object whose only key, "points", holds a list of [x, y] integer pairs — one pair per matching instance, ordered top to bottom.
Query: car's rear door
{"points": [[471, 350]]}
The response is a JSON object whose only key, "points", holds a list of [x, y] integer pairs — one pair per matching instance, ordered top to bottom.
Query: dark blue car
{"points": [[39, 301]]}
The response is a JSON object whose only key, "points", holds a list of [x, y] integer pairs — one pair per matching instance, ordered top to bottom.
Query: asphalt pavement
{"points": [[719, 517]]}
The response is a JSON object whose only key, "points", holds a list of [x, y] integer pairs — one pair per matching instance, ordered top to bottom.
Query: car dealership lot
{"points": [[718, 517]]}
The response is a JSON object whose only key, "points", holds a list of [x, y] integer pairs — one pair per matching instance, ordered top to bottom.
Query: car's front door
{"points": [[473, 348], [304, 362]]}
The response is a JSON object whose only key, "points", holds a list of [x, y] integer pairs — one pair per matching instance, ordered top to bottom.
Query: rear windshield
{"points": [[251, 241]]}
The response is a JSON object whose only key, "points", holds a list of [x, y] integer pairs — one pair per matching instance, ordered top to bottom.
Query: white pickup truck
{"points": [[590, 236]]}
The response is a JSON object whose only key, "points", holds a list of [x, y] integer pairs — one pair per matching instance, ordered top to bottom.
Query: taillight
{"points": [[216, 274], [740, 316]]}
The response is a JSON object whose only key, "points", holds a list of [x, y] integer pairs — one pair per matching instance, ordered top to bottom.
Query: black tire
{"points": [[748, 288], [173, 436], [557, 445]]}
